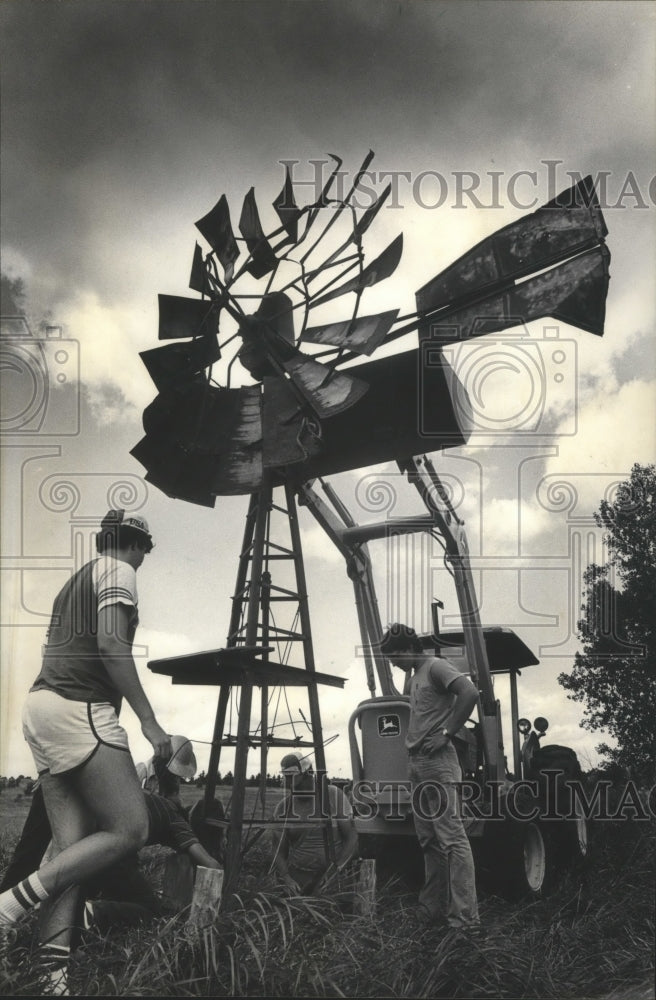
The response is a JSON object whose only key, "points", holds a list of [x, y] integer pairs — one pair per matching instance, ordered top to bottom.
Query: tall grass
{"points": [[590, 938]]}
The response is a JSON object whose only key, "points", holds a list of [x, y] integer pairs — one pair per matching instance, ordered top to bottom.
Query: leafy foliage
{"points": [[12, 296], [615, 674]]}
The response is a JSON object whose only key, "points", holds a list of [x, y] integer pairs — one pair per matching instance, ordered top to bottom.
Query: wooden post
{"points": [[178, 884], [365, 894], [207, 898]]}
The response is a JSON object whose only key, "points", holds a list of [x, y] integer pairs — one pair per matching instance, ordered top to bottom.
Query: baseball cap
{"points": [[116, 518], [137, 522], [183, 761], [294, 761]]}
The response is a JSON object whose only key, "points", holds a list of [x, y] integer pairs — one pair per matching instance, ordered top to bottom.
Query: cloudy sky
{"points": [[122, 124]]}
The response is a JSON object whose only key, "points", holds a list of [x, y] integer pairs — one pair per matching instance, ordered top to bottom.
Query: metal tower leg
{"points": [[252, 624]]}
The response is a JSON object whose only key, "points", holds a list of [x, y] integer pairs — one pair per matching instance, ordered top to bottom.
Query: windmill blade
{"points": [[322, 201], [340, 204], [286, 208], [370, 214], [566, 226], [216, 227], [356, 236], [264, 259], [382, 267], [198, 280], [574, 292], [180, 317], [362, 335], [175, 363], [326, 390], [182, 414], [237, 428], [290, 436], [202, 440], [239, 467], [176, 473], [190, 481]]}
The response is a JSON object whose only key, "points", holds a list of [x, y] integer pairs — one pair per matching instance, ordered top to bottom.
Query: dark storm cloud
{"points": [[113, 112]]}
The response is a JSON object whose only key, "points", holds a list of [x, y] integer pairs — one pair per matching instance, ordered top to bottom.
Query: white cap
{"points": [[183, 761]]}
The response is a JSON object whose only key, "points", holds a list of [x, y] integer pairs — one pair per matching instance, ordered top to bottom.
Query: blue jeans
{"points": [[449, 890]]}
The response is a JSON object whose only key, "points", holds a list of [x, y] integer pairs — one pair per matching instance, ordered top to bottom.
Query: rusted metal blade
{"points": [[287, 210], [370, 213], [569, 224], [216, 227], [264, 259], [382, 267], [198, 277], [574, 292], [182, 317], [362, 335], [175, 363], [327, 391], [194, 416], [290, 435], [202, 441], [239, 466], [175, 472], [188, 481]]}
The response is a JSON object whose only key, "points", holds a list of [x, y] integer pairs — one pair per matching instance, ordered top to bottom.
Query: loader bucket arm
{"points": [[421, 474], [358, 567]]}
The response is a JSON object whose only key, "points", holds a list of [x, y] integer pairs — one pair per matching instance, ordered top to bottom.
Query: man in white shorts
{"points": [[70, 720]]}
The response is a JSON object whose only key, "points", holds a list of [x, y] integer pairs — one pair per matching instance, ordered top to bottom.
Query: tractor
{"points": [[524, 823]]}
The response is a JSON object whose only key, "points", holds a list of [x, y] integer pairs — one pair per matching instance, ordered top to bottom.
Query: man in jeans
{"points": [[441, 701]]}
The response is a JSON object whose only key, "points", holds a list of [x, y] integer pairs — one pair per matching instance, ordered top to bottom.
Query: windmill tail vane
{"points": [[305, 415]]}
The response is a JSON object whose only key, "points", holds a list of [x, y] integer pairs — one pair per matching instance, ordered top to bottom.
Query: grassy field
{"points": [[590, 938]]}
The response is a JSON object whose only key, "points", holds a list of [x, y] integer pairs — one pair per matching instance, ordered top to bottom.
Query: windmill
{"points": [[303, 397]]}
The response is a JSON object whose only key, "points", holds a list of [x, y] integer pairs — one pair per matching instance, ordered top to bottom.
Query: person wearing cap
{"points": [[441, 701], [70, 720], [182, 764], [300, 852], [122, 893], [126, 895]]}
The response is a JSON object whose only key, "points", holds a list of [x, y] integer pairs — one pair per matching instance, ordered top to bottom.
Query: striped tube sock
{"points": [[17, 901]]}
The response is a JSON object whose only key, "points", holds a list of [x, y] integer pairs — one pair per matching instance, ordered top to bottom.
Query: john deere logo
{"points": [[389, 725]]}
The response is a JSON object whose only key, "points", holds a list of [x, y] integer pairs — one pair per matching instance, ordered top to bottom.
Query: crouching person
{"points": [[300, 857], [124, 895]]}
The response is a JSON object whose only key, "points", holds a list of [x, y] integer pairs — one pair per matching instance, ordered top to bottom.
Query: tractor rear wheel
{"points": [[568, 841], [516, 860]]}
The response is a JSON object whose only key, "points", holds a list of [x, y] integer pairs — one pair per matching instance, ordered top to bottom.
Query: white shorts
{"points": [[64, 734]]}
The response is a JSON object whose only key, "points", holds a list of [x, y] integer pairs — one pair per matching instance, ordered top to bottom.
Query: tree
{"points": [[12, 296], [615, 673]]}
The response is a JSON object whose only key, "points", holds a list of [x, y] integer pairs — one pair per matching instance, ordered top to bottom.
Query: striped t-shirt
{"points": [[72, 666]]}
